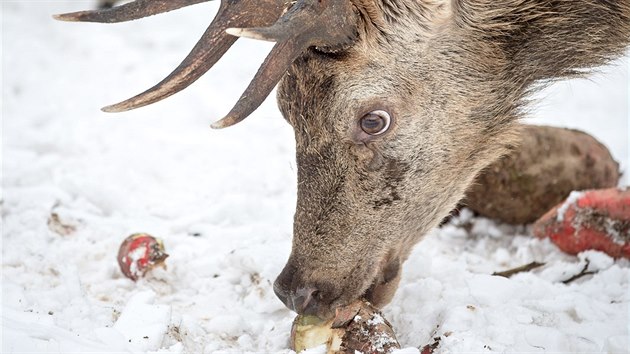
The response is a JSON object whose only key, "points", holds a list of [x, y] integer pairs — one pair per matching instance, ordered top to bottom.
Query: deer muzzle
{"points": [[317, 291]]}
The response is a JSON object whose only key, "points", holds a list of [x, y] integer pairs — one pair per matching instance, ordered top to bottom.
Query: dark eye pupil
{"points": [[372, 123]]}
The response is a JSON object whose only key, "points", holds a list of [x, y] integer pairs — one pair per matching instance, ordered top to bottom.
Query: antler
{"points": [[127, 12], [329, 25]]}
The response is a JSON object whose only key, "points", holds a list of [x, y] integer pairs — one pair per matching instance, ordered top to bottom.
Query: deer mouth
{"points": [[384, 284], [381, 289]]}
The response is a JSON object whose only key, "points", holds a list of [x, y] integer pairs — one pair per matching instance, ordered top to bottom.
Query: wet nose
{"points": [[295, 293], [302, 300]]}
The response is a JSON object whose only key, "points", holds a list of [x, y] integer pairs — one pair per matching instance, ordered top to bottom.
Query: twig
{"points": [[526, 268], [582, 273], [430, 348]]}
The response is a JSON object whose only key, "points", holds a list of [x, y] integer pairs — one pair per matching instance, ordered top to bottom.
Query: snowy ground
{"points": [[223, 203]]}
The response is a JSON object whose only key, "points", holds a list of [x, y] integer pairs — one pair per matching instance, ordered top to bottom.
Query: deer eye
{"points": [[375, 122]]}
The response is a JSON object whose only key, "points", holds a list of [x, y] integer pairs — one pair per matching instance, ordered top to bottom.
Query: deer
{"points": [[396, 106]]}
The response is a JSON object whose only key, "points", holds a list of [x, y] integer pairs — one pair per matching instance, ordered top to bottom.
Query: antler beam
{"points": [[127, 12], [329, 25]]}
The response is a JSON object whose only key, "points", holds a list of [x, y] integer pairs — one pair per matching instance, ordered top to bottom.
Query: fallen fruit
{"points": [[544, 168], [590, 220], [139, 253], [358, 327]]}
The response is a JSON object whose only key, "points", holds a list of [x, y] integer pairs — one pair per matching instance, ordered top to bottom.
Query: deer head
{"points": [[396, 106]]}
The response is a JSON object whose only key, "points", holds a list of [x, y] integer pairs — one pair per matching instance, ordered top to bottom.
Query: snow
{"points": [[223, 202], [569, 202], [375, 320], [142, 323], [382, 341]]}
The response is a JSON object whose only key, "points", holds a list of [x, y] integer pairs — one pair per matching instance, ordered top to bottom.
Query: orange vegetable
{"points": [[590, 220]]}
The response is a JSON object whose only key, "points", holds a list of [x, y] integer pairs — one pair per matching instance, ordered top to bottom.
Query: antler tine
{"points": [[127, 12], [329, 25], [208, 50], [196, 63], [270, 72]]}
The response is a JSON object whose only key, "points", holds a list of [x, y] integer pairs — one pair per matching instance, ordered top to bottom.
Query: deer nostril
{"points": [[294, 292], [304, 301]]}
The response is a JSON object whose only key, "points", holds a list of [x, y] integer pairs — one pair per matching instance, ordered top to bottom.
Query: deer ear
{"points": [[542, 39]]}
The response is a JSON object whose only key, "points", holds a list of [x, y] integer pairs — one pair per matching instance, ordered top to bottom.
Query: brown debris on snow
{"points": [[56, 225]]}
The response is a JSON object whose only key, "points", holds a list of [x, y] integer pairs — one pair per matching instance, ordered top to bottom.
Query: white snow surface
{"points": [[223, 201], [568, 203]]}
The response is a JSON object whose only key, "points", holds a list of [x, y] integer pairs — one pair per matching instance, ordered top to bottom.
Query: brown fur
{"points": [[455, 75]]}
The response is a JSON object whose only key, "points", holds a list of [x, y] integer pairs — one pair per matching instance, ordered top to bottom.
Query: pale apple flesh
{"points": [[356, 327]]}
